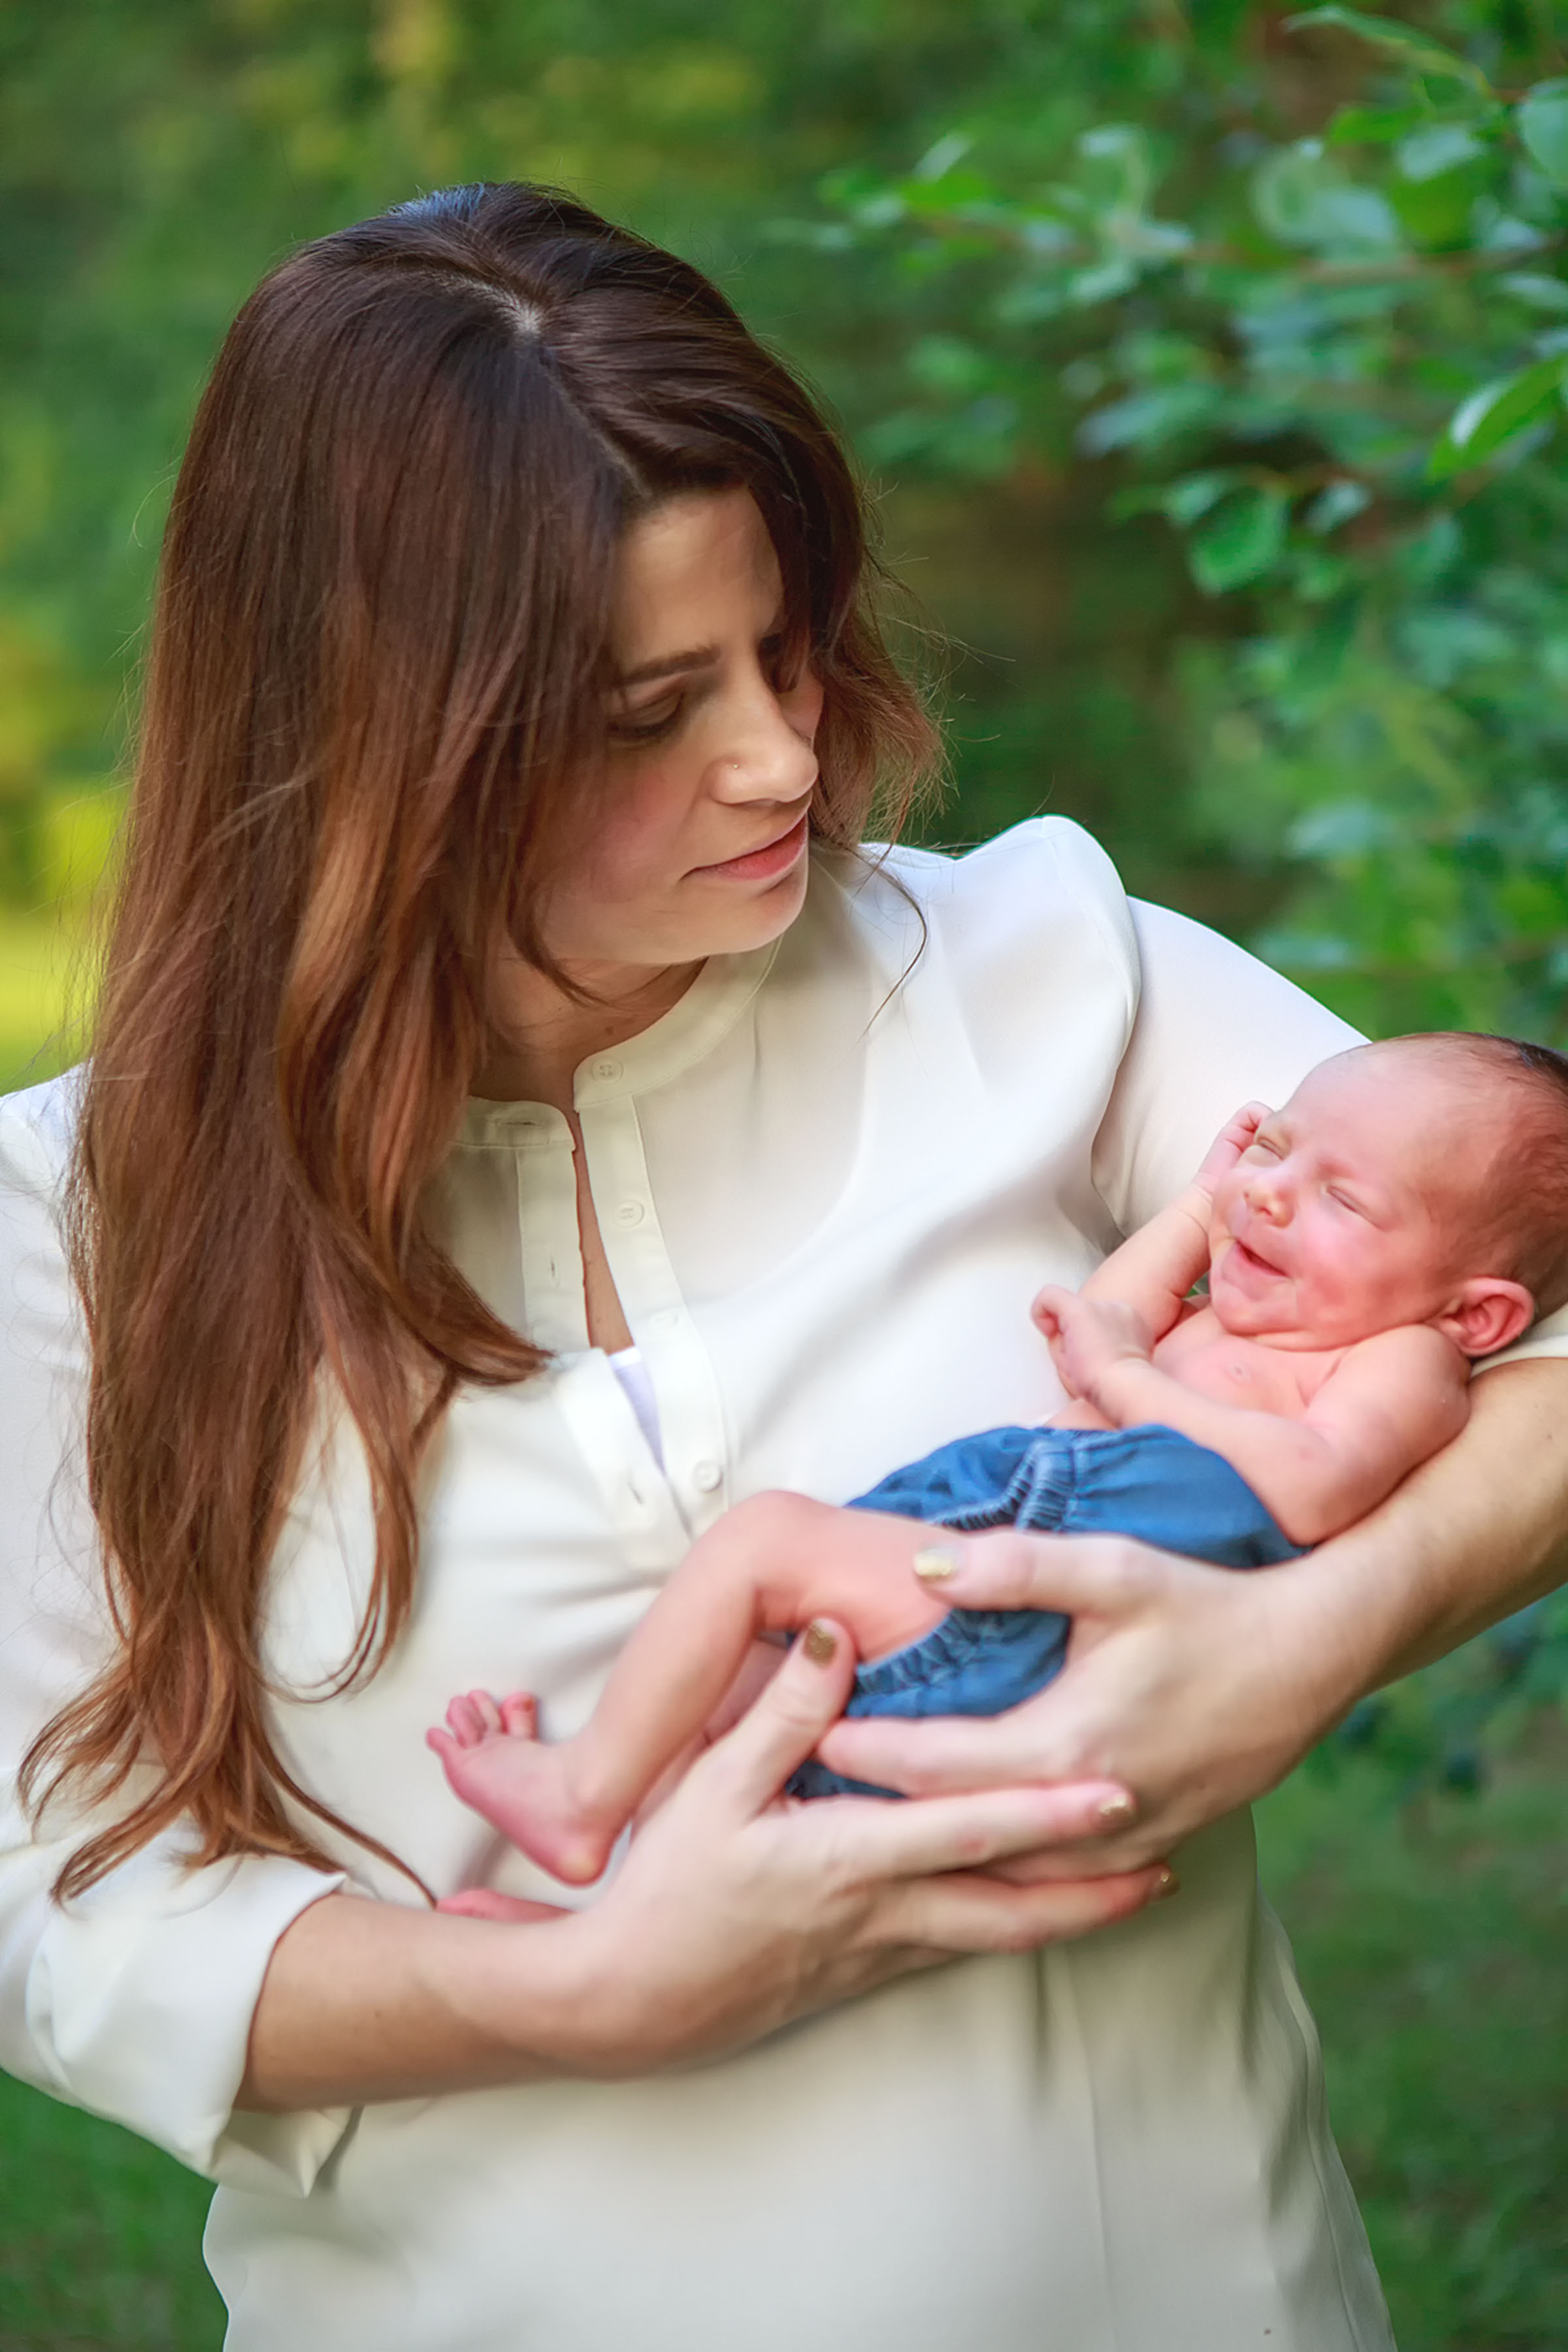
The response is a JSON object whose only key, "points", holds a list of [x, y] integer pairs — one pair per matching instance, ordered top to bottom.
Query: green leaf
{"points": [[1415, 50], [1542, 119], [1375, 126], [1440, 147], [937, 161], [1122, 170], [1302, 196], [1540, 293], [1497, 412], [1145, 419], [1186, 501], [1336, 504], [1242, 539]]}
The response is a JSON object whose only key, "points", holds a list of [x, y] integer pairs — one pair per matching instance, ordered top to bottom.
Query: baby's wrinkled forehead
{"points": [[1415, 1115], [1476, 1125]]}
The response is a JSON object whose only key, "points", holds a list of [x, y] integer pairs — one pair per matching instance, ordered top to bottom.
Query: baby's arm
{"points": [[1155, 1268], [1389, 1402], [770, 1565]]}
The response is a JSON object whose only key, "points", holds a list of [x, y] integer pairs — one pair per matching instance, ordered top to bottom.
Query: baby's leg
{"points": [[769, 1565]]}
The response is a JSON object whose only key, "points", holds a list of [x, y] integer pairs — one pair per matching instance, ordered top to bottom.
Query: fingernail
{"points": [[935, 1563], [819, 1644], [1117, 1811], [1165, 1885]]}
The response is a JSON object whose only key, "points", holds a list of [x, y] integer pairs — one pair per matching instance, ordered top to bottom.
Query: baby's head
{"points": [[1420, 1180]]}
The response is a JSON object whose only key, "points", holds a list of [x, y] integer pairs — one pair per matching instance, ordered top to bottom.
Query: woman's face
{"points": [[699, 843]]}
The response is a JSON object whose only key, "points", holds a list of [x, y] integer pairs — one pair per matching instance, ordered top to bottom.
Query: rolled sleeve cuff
{"points": [[1544, 1339], [143, 2013]]}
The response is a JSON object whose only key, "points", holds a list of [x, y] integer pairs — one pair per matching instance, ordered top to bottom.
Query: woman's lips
{"points": [[767, 863]]}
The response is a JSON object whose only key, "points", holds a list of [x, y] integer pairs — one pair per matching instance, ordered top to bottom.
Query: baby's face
{"points": [[1349, 1214]]}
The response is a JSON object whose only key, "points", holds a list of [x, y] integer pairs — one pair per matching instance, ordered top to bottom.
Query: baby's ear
{"points": [[1487, 1313]]}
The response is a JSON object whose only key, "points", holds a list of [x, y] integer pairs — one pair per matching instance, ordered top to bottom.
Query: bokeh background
{"points": [[1209, 367]]}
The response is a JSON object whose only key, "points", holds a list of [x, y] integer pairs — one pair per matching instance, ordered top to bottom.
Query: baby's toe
{"points": [[465, 1722]]}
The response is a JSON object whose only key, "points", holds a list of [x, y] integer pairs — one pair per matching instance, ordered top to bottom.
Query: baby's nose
{"points": [[1266, 1197]]}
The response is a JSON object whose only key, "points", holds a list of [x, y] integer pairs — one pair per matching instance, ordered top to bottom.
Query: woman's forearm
{"points": [[1474, 1534], [731, 1916], [368, 2000]]}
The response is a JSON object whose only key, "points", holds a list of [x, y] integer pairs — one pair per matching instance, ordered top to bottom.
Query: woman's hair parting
{"points": [[375, 707]]}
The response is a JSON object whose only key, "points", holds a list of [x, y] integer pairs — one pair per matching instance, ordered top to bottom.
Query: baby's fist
{"points": [[1234, 1137], [1086, 1336]]}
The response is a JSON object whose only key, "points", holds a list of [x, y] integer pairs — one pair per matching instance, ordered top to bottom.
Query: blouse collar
{"points": [[684, 1035]]}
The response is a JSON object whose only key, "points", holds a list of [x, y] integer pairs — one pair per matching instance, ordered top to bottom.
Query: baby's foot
{"points": [[496, 1761]]}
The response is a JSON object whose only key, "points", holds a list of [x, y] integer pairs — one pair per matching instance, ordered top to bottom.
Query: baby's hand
{"points": [[1230, 1144], [1086, 1336]]}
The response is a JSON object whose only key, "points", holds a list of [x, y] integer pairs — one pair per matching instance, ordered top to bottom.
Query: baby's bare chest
{"points": [[1206, 1357]]}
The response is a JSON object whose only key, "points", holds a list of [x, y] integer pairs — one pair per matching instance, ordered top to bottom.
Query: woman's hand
{"points": [[1194, 1687], [1199, 1688], [737, 1910], [734, 1911]]}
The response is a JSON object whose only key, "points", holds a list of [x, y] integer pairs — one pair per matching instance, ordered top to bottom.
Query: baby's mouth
{"points": [[1251, 1257]]}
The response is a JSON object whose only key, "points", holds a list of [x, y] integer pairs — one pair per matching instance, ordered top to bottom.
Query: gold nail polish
{"points": [[935, 1563], [819, 1644], [1117, 1811]]}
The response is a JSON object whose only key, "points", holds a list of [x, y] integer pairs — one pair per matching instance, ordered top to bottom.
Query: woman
{"points": [[496, 991]]}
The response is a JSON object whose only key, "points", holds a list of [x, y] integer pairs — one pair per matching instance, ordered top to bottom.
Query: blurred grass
{"points": [[40, 957], [1431, 1941], [1431, 1944], [100, 2238]]}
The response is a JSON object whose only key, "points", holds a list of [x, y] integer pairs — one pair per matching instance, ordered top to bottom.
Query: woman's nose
{"points": [[767, 756]]}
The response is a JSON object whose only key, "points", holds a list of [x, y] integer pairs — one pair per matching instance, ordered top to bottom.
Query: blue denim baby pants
{"points": [[1149, 1482]]}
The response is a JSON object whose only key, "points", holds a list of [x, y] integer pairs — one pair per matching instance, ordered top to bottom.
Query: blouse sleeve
{"points": [[1215, 1029], [135, 1999]]}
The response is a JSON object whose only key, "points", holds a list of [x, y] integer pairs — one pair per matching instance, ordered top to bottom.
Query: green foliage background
{"points": [[1210, 366]]}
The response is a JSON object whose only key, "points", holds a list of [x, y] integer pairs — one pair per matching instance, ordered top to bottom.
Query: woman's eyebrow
{"points": [[668, 664]]}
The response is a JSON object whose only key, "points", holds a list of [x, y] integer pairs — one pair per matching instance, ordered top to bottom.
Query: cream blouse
{"points": [[829, 1182]]}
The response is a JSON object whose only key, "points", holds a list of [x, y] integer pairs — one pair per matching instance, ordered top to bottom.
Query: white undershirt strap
{"points": [[627, 1365]]}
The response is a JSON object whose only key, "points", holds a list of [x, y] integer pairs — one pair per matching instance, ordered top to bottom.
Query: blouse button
{"points": [[606, 1069], [630, 1212], [707, 1478]]}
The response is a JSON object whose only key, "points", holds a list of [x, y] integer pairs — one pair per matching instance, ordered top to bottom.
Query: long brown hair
{"points": [[377, 678]]}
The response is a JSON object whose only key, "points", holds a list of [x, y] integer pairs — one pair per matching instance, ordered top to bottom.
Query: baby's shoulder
{"points": [[1416, 1347], [1411, 1370]]}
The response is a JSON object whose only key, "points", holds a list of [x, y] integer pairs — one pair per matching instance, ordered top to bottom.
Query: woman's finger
{"points": [[1104, 1576], [943, 1755], [751, 1763], [874, 1838], [958, 1914]]}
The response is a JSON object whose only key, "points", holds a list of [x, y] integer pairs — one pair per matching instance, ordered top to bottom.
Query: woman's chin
{"points": [[753, 918]]}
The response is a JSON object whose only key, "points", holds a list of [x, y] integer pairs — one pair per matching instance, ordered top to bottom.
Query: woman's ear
{"points": [[1485, 1314]]}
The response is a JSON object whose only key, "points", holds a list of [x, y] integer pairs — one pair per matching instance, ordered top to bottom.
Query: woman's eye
{"points": [[650, 724]]}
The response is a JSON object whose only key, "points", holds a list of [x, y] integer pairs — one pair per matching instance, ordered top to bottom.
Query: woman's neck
{"points": [[546, 1034]]}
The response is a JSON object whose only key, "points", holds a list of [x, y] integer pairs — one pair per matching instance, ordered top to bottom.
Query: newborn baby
{"points": [[1406, 1213]]}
